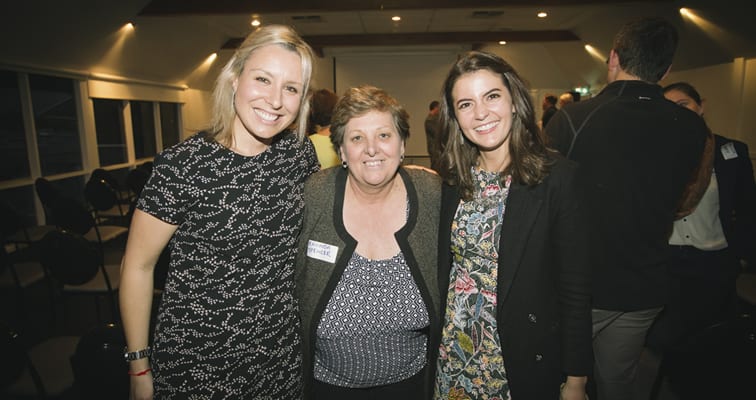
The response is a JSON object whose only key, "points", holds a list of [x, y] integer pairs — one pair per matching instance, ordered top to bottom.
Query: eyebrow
{"points": [[266, 72], [484, 95]]}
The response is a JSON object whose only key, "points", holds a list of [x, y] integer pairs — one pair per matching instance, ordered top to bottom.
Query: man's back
{"points": [[636, 151]]}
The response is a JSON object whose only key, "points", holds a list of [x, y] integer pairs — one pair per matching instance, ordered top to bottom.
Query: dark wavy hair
{"points": [[686, 88], [531, 160]]}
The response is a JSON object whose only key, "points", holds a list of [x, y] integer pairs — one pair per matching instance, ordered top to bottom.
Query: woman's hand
{"points": [[141, 387], [573, 388]]}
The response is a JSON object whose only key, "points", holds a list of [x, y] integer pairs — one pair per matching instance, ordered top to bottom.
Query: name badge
{"points": [[728, 151], [322, 251]]}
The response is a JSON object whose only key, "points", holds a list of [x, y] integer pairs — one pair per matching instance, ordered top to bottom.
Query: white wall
{"points": [[413, 78], [729, 93]]}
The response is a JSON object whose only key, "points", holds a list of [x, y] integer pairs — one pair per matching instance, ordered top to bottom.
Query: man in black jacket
{"points": [[637, 151]]}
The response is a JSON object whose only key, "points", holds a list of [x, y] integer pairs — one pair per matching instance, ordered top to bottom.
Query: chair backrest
{"points": [[107, 176], [136, 179], [100, 194], [48, 195], [72, 216], [70, 258], [98, 367]]}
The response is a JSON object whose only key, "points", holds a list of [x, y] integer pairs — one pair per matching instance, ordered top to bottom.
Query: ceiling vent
{"points": [[487, 14], [306, 18]]}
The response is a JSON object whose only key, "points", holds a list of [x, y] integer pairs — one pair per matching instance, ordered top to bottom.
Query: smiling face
{"points": [[268, 94], [682, 99], [484, 110], [372, 149]]}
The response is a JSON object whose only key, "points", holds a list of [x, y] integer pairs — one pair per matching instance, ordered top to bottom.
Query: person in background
{"points": [[564, 99], [323, 101], [549, 107], [433, 137], [637, 152], [229, 200], [709, 243], [513, 247], [366, 270]]}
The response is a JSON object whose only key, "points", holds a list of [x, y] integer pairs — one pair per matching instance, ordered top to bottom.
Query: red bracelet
{"points": [[140, 373]]}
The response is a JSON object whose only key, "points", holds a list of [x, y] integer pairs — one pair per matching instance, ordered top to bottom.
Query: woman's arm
{"points": [[147, 238]]}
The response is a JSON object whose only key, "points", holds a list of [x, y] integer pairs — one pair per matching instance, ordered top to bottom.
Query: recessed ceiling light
{"points": [[542, 14], [396, 18], [255, 22], [502, 42]]}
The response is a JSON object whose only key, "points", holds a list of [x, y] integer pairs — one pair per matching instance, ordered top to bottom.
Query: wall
{"points": [[414, 78], [729, 93]]}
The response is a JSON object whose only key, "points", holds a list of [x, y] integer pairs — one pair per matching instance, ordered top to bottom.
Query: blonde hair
{"points": [[223, 93]]}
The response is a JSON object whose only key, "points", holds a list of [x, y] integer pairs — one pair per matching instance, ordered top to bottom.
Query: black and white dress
{"points": [[227, 326]]}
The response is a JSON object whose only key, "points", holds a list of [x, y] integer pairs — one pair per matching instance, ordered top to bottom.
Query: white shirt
{"points": [[702, 229]]}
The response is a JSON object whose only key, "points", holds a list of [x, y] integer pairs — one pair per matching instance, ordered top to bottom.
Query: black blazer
{"points": [[737, 198], [543, 288]]}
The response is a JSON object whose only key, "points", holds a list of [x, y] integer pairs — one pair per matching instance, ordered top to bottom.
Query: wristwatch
{"points": [[135, 355]]}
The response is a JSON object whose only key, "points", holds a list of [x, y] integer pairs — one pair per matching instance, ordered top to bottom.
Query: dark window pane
{"points": [[54, 107], [143, 123], [169, 125], [111, 142], [14, 161]]}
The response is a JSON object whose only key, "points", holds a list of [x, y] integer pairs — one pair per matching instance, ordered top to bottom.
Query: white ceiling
{"points": [[82, 35]]}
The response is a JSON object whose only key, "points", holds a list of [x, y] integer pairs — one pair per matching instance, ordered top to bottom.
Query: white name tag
{"points": [[728, 151], [322, 251]]}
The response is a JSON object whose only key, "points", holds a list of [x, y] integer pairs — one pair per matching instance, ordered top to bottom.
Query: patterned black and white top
{"points": [[227, 325], [372, 331]]}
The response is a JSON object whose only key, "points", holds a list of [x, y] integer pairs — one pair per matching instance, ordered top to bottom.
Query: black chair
{"points": [[137, 178], [122, 191], [48, 195], [104, 201], [72, 216], [14, 229], [79, 268], [17, 274], [718, 362], [98, 366], [41, 371]]}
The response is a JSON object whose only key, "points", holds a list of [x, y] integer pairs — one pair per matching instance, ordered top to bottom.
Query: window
{"points": [[54, 108], [143, 123], [169, 124], [111, 142], [14, 161], [21, 201]]}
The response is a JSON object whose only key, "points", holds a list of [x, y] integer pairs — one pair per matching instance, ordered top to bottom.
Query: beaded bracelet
{"points": [[140, 373]]}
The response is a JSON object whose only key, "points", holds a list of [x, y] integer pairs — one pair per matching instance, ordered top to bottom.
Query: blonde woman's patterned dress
{"points": [[227, 327]]}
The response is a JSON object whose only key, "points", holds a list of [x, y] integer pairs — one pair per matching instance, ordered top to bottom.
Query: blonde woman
{"points": [[229, 200]]}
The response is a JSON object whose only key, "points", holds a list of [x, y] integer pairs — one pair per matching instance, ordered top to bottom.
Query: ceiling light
{"points": [[685, 12], [542, 14], [396, 18], [255, 22], [129, 26], [502, 42]]}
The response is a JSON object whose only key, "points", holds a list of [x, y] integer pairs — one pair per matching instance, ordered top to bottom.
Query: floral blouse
{"points": [[470, 364]]}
